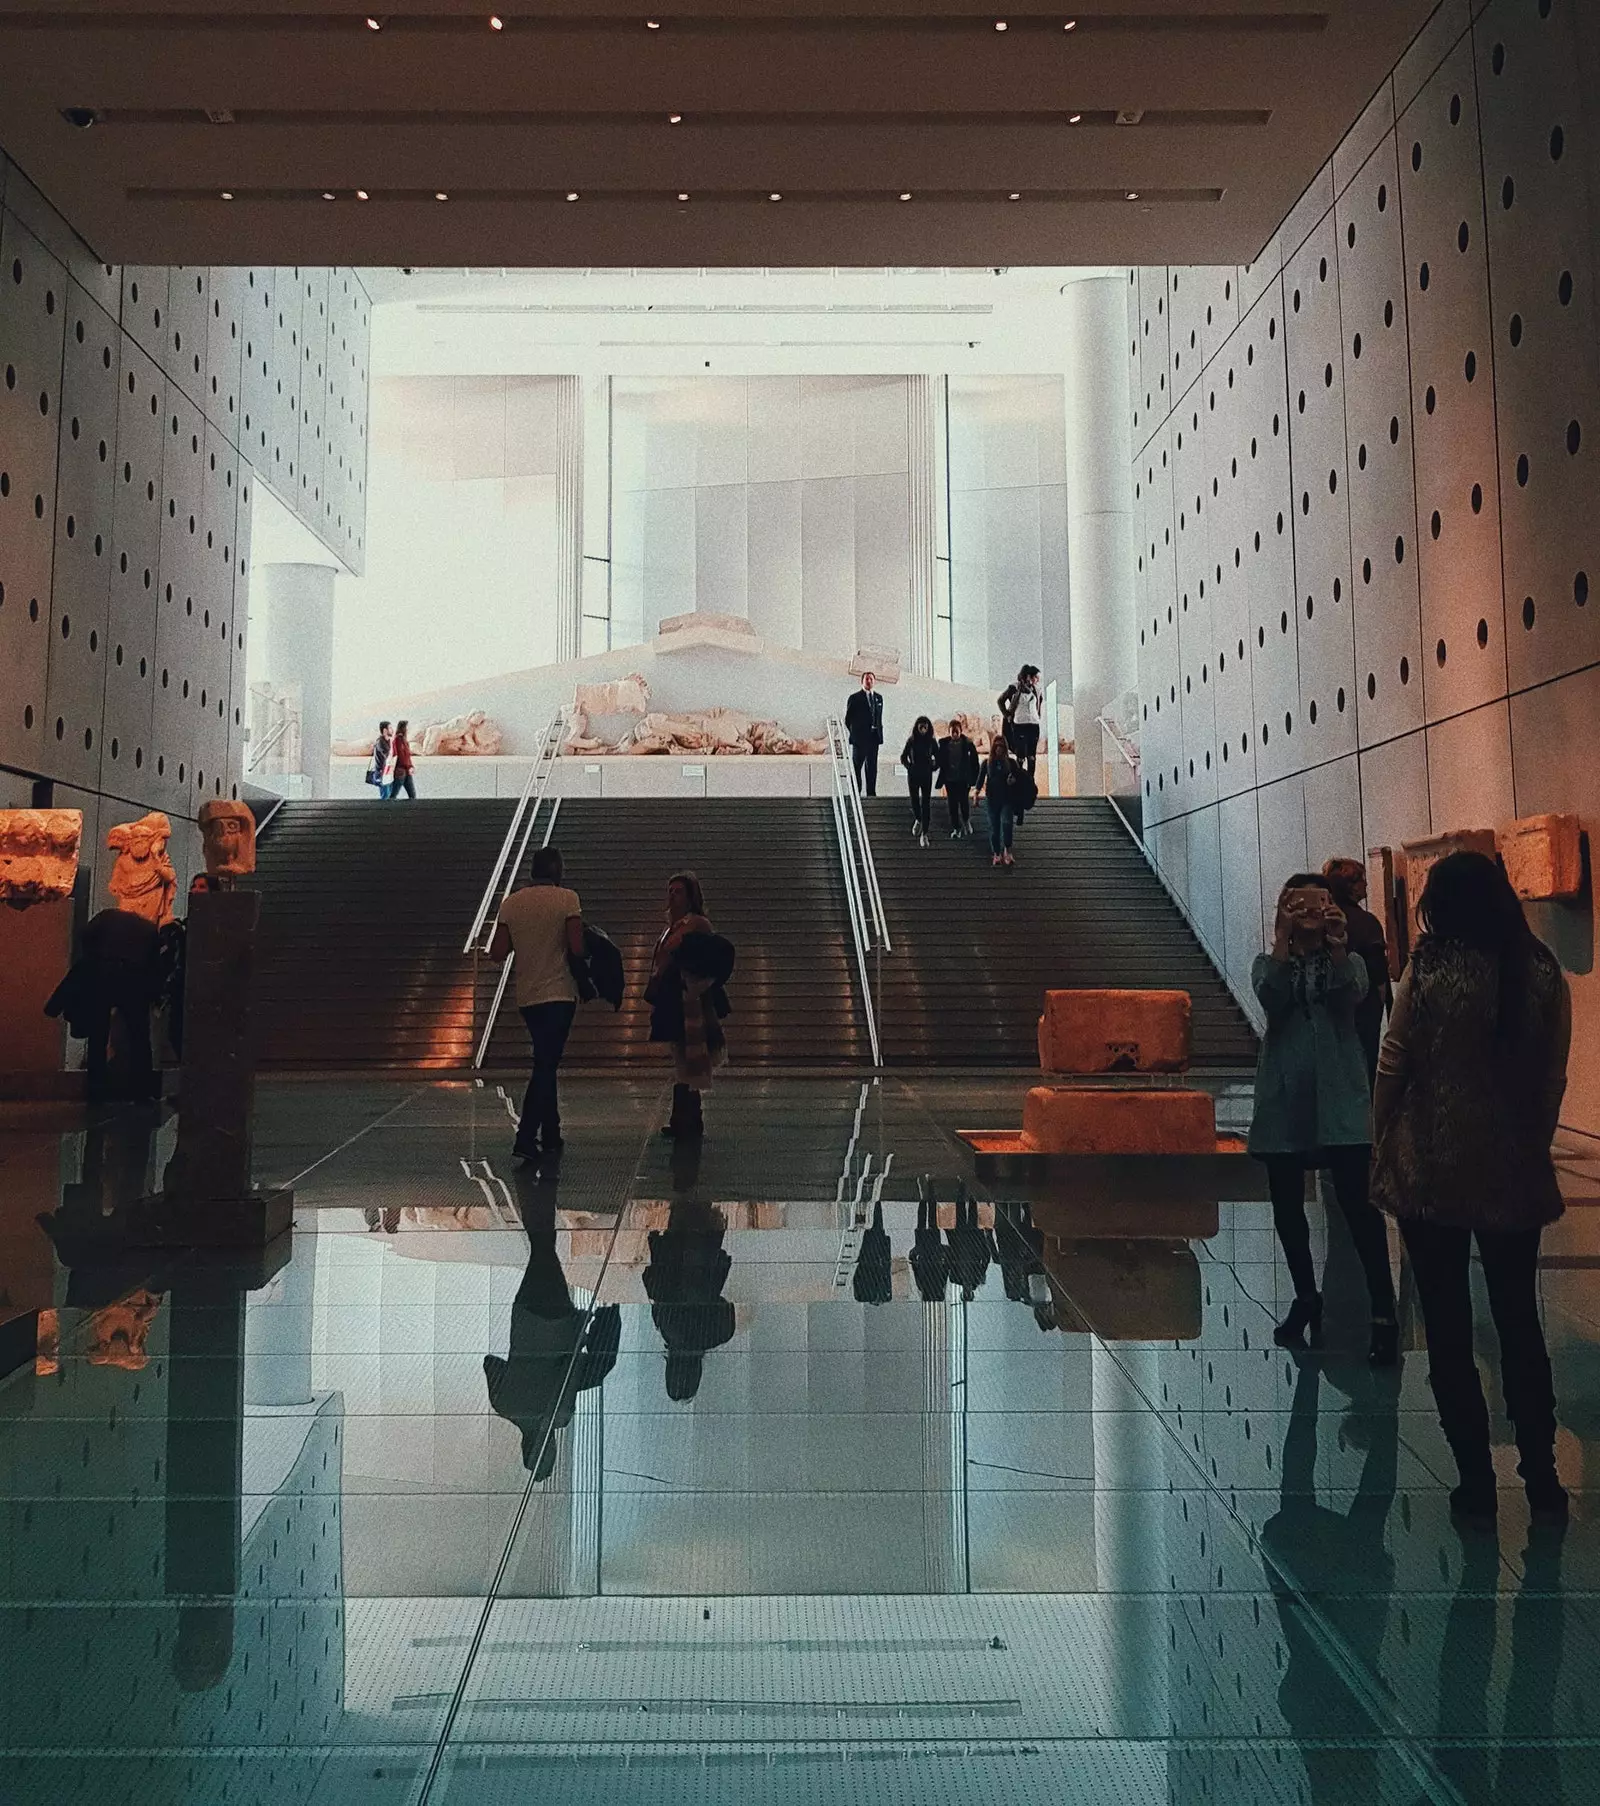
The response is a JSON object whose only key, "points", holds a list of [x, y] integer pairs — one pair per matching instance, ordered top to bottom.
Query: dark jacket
{"points": [[863, 718], [920, 756], [958, 762], [1010, 782], [1368, 945], [698, 955], [119, 966], [599, 972], [1311, 1081], [1466, 1114]]}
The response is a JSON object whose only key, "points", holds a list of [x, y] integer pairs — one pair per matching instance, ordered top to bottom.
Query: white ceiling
{"points": [[1227, 108]]}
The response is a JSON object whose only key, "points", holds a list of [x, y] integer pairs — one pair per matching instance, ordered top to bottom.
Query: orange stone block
{"points": [[1423, 855], [1543, 855], [1114, 1031], [1066, 1120]]}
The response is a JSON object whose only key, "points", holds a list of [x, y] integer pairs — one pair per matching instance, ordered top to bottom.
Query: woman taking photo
{"points": [[920, 757], [688, 971], [1470, 1081], [1312, 1107]]}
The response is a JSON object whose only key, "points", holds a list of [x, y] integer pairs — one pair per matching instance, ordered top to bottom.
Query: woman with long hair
{"points": [[1022, 709], [920, 757], [997, 783], [688, 970], [1470, 1081], [1312, 1106]]}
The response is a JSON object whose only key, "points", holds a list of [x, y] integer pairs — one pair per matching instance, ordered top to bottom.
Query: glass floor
{"points": [[675, 1476]]}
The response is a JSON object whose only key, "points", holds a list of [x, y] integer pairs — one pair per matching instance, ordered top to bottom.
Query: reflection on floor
{"points": [[780, 1470]]}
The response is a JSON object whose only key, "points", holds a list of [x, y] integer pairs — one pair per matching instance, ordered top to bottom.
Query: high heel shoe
{"points": [[1304, 1314], [1383, 1349]]}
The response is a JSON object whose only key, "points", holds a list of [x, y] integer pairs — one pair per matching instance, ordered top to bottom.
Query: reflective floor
{"points": [[673, 1476]]}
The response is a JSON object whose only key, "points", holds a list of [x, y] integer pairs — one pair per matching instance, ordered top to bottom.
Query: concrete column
{"points": [[921, 425], [1099, 511], [569, 515], [298, 611]]}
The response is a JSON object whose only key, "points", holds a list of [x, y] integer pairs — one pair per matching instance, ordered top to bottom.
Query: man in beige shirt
{"points": [[541, 926]]}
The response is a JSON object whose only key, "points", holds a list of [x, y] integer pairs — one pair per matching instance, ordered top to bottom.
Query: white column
{"points": [[921, 434], [1099, 511], [569, 515], [298, 611]]}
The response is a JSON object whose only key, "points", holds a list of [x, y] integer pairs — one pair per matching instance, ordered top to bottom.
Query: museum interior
{"points": [[1033, 567]]}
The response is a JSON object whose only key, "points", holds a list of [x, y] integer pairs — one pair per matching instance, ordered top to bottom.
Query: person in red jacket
{"points": [[400, 752]]}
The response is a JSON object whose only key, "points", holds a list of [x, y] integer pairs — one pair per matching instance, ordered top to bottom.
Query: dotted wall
{"points": [[137, 406], [1365, 484]]}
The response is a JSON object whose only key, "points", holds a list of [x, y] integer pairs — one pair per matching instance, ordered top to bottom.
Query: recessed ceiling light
{"points": [[496, 23], [374, 24], [652, 25], [1000, 25], [1071, 25], [674, 119], [1074, 119], [227, 194], [327, 194], [572, 194], [1133, 194], [362, 195], [440, 195], [906, 195], [774, 196], [1013, 196], [683, 197]]}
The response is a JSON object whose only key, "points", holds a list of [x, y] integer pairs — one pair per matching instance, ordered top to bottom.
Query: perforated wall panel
{"points": [[132, 400], [1383, 488]]}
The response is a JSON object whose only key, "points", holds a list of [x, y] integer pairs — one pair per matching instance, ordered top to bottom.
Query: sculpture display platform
{"points": [[38, 871]]}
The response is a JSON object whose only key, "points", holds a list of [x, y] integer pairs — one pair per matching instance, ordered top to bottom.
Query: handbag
{"points": [[389, 769]]}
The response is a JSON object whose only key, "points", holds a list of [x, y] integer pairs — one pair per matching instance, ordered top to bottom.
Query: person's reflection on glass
{"points": [[1020, 1242], [971, 1247], [930, 1260], [687, 1271], [873, 1279], [555, 1351], [1338, 1559]]}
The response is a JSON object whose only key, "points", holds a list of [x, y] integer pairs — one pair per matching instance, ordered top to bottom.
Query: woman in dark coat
{"points": [[920, 757], [1347, 881], [688, 971], [1470, 1082]]}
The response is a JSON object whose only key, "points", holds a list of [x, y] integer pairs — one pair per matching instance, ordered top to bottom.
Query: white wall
{"points": [[783, 499], [1008, 528], [461, 560], [1362, 616]]}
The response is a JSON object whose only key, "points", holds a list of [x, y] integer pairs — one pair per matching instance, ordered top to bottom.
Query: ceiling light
{"points": [[496, 23], [374, 24], [652, 25], [1000, 25], [1071, 25], [674, 119], [1074, 119], [227, 194], [327, 194], [572, 194], [1132, 194], [362, 195], [440, 195], [906, 196], [1013, 196], [683, 197], [774, 197]]}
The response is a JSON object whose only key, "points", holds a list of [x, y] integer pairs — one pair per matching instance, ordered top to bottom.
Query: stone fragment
{"points": [[228, 834], [38, 855], [1543, 855], [142, 880], [1115, 1031], [1095, 1120]]}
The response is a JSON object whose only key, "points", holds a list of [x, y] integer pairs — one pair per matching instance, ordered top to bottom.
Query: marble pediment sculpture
{"points": [[728, 633], [469, 736], [228, 836], [38, 855], [142, 881]]}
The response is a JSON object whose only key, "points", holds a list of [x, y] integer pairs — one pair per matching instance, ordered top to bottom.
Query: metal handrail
{"points": [[839, 748], [258, 753], [545, 754], [855, 908], [481, 1053]]}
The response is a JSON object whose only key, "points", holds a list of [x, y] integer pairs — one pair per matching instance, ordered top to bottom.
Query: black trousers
{"points": [[1023, 739], [864, 756], [408, 784], [921, 787], [959, 797], [132, 1008], [548, 1024], [1286, 1178], [1441, 1260]]}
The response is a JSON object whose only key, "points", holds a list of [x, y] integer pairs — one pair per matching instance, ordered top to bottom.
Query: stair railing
{"points": [[506, 865], [863, 900]]}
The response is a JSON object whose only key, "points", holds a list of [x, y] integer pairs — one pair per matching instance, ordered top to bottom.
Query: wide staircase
{"points": [[366, 906], [975, 949]]}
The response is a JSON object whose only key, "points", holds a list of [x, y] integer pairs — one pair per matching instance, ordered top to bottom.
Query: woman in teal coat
{"points": [[1312, 1106]]}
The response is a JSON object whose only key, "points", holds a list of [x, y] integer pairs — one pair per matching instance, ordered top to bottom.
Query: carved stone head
{"points": [[228, 830], [38, 854], [143, 881]]}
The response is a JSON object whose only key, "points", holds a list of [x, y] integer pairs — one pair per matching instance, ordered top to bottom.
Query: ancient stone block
{"points": [[38, 854], [1423, 855], [1543, 855], [1115, 1031], [1087, 1120]]}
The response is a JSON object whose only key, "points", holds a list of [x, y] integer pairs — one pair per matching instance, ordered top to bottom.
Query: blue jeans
{"points": [[1001, 824]]}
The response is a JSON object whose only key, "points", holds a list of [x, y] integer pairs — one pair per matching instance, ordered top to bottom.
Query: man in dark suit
{"points": [[863, 722]]}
